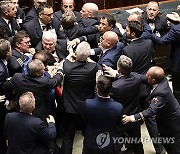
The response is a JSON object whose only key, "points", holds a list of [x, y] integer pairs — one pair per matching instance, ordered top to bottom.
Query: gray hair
{"points": [[4, 6], [92, 8], [50, 35], [5, 47], [83, 51], [124, 65], [34, 67], [27, 102]]}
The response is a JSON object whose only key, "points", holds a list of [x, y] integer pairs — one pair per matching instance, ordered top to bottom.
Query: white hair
{"points": [[93, 8], [50, 35], [83, 51]]}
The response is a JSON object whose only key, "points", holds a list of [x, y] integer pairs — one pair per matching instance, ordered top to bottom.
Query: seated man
{"points": [[26, 133]]}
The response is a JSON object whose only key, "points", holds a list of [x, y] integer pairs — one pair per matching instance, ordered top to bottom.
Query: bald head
{"points": [[67, 5], [89, 10], [152, 10], [136, 16], [109, 40], [155, 75], [27, 102]]}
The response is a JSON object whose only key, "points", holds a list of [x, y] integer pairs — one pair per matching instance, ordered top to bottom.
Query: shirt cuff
{"points": [[92, 52], [6, 103], [132, 118]]}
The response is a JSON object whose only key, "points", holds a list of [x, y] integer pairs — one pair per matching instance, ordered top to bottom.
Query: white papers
{"points": [[134, 10]]}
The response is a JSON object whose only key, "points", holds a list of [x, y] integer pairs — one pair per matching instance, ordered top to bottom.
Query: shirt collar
{"points": [[6, 20], [5, 62]]}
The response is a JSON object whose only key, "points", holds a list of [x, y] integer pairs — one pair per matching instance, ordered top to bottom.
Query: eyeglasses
{"points": [[49, 15], [28, 42]]}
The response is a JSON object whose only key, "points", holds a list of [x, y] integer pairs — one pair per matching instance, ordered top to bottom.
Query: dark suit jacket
{"points": [[32, 13], [160, 22], [14, 26], [34, 30], [76, 32], [173, 37], [140, 51], [111, 56], [16, 62], [79, 84], [39, 86], [126, 90], [166, 109], [3, 111], [102, 117], [28, 134]]}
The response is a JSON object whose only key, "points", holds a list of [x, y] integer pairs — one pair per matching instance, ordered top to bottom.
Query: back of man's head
{"points": [[92, 9], [136, 16], [136, 27], [5, 48], [82, 51], [43, 56], [124, 65], [36, 68], [156, 75], [104, 85], [27, 102]]}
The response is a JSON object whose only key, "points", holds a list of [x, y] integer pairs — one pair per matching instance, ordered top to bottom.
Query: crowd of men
{"points": [[89, 73]]}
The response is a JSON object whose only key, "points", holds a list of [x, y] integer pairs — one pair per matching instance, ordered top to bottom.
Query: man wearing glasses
{"points": [[43, 22], [20, 52]]}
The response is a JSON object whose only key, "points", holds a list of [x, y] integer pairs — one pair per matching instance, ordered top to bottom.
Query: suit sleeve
{"points": [[168, 38], [156, 104], [47, 133]]}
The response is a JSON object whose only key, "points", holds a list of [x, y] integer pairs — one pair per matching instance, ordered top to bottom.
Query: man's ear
{"points": [[6, 13], [40, 15], [133, 34], [17, 44]]}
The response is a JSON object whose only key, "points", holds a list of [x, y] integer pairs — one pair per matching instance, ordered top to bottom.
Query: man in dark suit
{"points": [[66, 6], [32, 13], [20, 15], [89, 15], [7, 17], [154, 19], [36, 26], [172, 37], [50, 44], [111, 49], [139, 50], [20, 52], [5, 53], [36, 82], [79, 84], [126, 90], [166, 108], [102, 117], [26, 133]]}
